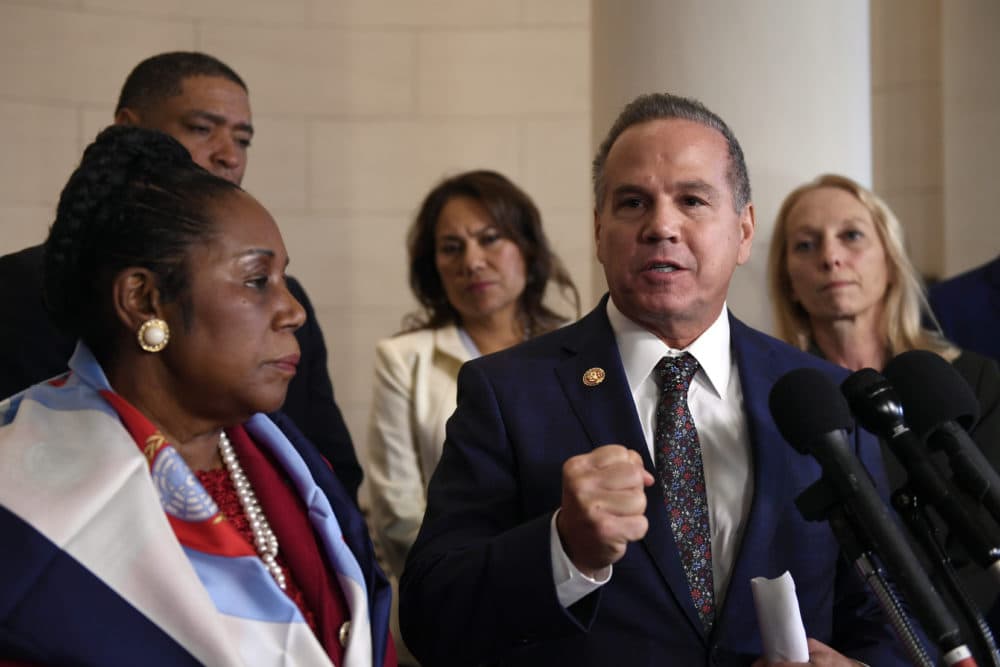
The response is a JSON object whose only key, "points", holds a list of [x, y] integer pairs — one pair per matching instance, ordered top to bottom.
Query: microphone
{"points": [[940, 407], [878, 409], [813, 417]]}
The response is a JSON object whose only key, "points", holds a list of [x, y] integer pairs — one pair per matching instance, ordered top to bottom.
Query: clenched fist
{"points": [[603, 506]]}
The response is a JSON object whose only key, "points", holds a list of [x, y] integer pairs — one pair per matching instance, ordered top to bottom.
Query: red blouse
{"points": [[219, 485], [312, 584]]}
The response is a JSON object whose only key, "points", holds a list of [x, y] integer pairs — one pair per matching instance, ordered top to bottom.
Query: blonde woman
{"points": [[843, 287]]}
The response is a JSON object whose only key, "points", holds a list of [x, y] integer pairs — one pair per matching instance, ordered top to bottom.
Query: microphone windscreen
{"points": [[859, 387], [932, 391], [805, 404]]}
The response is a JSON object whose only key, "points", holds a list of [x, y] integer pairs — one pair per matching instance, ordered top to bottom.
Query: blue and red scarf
{"points": [[137, 519]]}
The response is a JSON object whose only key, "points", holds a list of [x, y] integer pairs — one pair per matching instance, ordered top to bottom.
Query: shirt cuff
{"points": [[571, 584]]}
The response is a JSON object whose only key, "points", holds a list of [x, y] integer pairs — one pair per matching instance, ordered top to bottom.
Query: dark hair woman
{"points": [[504, 212], [480, 267], [165, 519]]}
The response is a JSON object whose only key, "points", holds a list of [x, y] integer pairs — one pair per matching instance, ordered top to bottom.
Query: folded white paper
{"points": [[781, 629]]}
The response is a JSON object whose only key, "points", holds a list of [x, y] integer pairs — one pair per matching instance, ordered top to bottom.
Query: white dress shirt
{"points": [[716, 402]]}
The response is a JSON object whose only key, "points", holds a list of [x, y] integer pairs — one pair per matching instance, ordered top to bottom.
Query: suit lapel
{"points": [[448, 341], [759, 368], [603, 406], [608, 415], [354, 530]]}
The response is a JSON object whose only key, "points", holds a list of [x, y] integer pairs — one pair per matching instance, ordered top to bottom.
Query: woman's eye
{"points": [[853, 234], [802, 246], [449, 249], [259, 282]]}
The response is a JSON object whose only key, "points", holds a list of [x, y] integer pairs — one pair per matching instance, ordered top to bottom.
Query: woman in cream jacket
{"points": [[479, 267], [415, 387]]}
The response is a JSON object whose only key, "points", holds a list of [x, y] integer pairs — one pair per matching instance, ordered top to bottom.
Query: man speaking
{"points": [[607, 491]]}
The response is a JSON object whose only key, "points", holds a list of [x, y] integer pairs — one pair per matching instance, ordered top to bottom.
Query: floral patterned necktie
{"points": [[682, 477]]}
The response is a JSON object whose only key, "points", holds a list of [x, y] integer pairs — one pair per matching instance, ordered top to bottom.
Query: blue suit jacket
{"points": [[968, 308], [478, 585], [53, 611]]}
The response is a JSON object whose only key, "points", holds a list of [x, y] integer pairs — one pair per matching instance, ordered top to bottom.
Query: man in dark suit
{"points": [[202, 103], [968, 308], [555, 532]]}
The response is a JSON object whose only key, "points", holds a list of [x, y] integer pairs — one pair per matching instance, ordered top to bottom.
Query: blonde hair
{"points": [[905, 302]]}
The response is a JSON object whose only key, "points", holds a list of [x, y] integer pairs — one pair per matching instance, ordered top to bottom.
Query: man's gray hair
{"points": [[660, 106]]}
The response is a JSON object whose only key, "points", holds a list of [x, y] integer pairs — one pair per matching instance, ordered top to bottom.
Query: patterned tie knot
{"points": [[675, 373]]}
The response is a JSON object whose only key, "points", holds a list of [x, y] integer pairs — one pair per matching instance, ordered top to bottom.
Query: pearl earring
{"points": [[153, 335]]}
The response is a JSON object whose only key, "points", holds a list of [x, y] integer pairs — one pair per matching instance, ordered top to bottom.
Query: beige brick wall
{"points": [[360, 107], [971, 119], [906, 122], [936, 126]]}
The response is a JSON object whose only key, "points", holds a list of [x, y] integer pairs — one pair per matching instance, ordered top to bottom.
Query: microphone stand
{"points": [[974, 473], [819, 502], [914, 514]]}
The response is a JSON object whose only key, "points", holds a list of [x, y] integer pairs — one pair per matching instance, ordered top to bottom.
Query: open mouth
{"points": [[661, 267]]}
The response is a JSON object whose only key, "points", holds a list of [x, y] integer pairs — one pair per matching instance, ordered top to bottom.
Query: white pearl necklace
{"points": [[263, 536]]}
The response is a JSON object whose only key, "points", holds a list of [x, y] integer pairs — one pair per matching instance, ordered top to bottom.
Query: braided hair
{"points": [[136, 199]]}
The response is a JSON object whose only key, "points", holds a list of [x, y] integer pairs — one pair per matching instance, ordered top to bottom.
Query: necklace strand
{"points": [[263, 537]]}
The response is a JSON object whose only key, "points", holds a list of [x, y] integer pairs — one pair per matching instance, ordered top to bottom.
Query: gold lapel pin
{"points": [[593, 377]]}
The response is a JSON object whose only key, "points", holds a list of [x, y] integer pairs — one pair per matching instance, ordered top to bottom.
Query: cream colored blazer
{"points": [[415, 393]]}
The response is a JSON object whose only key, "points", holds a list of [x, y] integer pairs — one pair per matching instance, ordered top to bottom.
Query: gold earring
{"points": [[153, 335]]}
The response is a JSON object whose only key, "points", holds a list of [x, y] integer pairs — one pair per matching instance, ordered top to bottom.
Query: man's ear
{"points": [[127, 116], [748, 225], [135, 297]]}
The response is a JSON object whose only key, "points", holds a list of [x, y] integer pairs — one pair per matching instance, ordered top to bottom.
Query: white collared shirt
{"points": [[716, 403]]}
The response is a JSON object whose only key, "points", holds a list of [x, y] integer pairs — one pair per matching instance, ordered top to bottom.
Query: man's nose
{"points": [[226, 154], [663, 223]]}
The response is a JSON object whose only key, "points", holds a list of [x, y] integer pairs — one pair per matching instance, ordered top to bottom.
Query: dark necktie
{"points": [[682, 477]]}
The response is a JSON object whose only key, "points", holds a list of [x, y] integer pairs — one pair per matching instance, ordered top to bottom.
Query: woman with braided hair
{"points": [[152, 514]]}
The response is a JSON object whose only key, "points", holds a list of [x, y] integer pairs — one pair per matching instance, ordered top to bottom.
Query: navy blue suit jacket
{"points": [[968, 308], [478, 584], [60, 613]]}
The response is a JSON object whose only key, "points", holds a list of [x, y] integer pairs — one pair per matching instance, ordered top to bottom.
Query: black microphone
{"points": [[940, 407], [878, 408], [813, 417]]}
